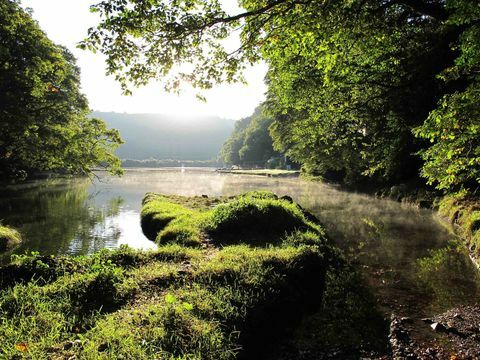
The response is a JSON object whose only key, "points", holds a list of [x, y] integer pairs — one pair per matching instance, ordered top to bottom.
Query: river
{"points": [[412, 260]]}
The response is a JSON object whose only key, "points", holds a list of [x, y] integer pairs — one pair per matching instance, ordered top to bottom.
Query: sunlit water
{"points": [[406, 252]]}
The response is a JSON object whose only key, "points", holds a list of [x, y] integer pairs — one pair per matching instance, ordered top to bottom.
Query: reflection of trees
{"points": [[58, 217], [100, 231], [449, 277]]}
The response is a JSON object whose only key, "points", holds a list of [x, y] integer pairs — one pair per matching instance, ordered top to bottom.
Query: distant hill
{"points": [[168, 137]]}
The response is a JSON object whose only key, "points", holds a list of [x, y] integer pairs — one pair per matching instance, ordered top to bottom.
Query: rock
{"points": [[398, 192], [204, 196], [438, 327], [403, 347]]}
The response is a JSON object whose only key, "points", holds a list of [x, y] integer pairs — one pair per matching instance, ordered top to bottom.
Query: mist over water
{"points": [[403, 250]]}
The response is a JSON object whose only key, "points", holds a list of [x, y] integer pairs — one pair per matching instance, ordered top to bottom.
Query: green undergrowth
{"points": [[463, 209], [9, 238], [177, 302]]}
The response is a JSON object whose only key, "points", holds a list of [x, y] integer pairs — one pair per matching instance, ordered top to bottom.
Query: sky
{"points": [[67, 22]]}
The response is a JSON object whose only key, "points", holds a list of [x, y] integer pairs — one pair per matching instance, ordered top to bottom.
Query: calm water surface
{"points": [[410, 258]]}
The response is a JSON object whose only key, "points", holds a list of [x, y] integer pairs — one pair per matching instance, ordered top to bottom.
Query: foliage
{"points": [[348, 81], [345, 98], [44, 117], [250, 143], [229, 153], [453, 160], [175, 302]]}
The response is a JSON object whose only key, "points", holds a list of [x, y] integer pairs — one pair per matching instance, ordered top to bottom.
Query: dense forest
{"points": [[377, 90], [43, 115], [162, 137], [250, 143]]}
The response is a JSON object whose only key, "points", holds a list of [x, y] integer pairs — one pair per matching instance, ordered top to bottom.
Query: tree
{"points": [[348, 80], [44, 116], [453, 128], [250, 143], [257, 146], [230, 151]]}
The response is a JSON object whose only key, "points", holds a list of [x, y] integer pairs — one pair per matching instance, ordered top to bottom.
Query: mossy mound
{"points": [[463, 210], [255, 218], [9, 238], [177, 302]]}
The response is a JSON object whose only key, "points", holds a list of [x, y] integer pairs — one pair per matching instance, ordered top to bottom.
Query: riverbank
{"points": [[262, 172], [462, 211], [224, 297]]}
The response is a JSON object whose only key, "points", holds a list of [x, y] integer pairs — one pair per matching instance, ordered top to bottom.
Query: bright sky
{"points": [[66, 23]]}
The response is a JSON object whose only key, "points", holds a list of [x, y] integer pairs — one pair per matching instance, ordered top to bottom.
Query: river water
{"points": [[411, 259]]}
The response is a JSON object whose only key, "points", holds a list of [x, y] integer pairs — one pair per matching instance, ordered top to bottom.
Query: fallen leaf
{"points": [[23, 347]]}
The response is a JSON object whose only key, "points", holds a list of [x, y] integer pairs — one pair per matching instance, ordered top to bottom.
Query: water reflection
{"points": [[63, 217], [399, 247], [448, 276]]}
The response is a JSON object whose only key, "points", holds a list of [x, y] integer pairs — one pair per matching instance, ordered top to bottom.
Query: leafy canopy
{"points": [[355, 86], [43, 115], [250, 143]]}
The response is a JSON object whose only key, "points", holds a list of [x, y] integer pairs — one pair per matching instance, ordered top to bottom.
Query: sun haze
{"points": [[66, 23]]}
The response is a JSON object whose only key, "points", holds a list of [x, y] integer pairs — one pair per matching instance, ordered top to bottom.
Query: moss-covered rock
{"points": [[463, 211], [255, 218], [9, 238]]}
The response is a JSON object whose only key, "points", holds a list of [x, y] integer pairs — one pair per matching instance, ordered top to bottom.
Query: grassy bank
{"points": [[264, 172], [463, 211], [9, 238], [211, 291]]}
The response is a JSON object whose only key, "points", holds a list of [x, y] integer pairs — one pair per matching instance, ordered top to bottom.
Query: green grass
{"points": [[9, 238], [213, 300]]}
